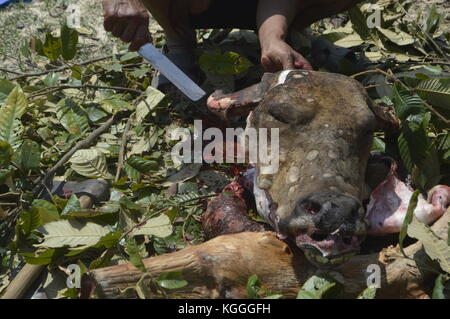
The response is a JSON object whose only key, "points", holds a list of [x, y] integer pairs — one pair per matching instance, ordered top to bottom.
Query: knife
{"points": [[171, 72]]}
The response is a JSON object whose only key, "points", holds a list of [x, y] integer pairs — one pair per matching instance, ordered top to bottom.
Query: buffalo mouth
{"points": [[328, 250]]}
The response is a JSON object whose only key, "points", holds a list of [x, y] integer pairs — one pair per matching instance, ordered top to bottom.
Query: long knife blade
{"points": [[171, 72]]}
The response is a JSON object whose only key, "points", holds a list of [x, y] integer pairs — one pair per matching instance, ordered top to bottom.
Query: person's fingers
{"points": [[108, 14], [108, 23], [118, 28], [129, 33], [141, 37], [287, 61], [265, 62], [300, 62], [269, 64]]}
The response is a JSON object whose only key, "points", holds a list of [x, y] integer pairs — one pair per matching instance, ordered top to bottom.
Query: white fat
{"points": [[283, 76]]}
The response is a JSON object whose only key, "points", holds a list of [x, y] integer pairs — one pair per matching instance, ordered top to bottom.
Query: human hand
{"points": [[127, 20], [277, 55]]}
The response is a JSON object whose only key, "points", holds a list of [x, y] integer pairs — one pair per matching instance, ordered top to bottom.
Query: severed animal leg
{"points": [[389, 202]]}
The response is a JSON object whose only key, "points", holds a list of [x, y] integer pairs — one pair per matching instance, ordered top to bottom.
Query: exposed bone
{"points": [[222, 266]]}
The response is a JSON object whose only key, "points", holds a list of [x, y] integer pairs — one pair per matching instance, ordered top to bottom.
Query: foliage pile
{"points": [[107, 106]]}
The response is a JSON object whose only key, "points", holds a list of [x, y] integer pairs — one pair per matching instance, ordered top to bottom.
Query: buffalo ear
{"points": [[240, 102], [387, 120]]}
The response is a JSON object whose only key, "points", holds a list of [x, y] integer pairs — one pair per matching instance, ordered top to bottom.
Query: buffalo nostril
{"points": [[312, 207], [318, 236], [347, 240]]}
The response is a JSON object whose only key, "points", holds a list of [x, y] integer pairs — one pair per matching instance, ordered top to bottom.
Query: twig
{"points": [[59, 69], [10, 71], [377, 85], [90, 86], [80, 145], [123, 147]]}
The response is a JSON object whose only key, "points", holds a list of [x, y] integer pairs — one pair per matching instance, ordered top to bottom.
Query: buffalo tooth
{"points": [[322, 260], [337, 260]]}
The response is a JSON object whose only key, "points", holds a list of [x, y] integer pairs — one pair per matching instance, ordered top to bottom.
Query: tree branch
{"points": [[61, 69]]}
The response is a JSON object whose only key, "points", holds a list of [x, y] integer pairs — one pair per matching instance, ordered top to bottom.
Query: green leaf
{"points": [[433, 20], [359, 22], [399, 37], [69, 41], [39, 46], [52, 47], [129, 56], [228, 63], [116, 67], [77, 72], [51, 79], [5, 89], [435, 91], [153, 98], [405, 103], [114, 104], [15, 106], [72, 117], [413, 142], [378, 145], [6, 153], [405, 153], [30, 155], [90, 163], [142, 165], [187, 172], [132, 173], [428, 174], [73, 204], [130, 206], [47, 211], [408, 218], [28, 221], [159, 226], [71, 233], [105, 242], [435, 247], [134, 253], [43, 257], [171, 280], [253, 286], [319, 286], [438, 290], [368, 293], [303, 294]]}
